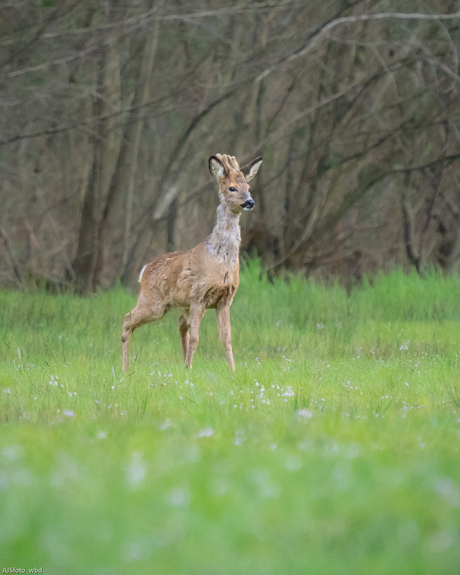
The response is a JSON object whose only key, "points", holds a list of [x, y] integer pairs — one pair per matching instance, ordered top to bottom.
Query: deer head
{"points": [[233, 181]]}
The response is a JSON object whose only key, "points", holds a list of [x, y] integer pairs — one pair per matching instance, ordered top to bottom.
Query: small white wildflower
{"points": [[304, 414], [167, 423], [206, 432], [239, 436], [11, 452], [293, 463], [136, 469], [448, 490], [178, 496], [441, 541]]}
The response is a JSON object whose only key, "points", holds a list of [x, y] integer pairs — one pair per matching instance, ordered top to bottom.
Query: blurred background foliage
{"points": [[109, 110]]}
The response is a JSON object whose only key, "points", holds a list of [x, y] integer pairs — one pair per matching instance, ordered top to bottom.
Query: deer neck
{"points": [[224, 242]]}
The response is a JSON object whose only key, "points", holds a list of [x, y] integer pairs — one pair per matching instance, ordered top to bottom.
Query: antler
{"points": [[229, 162]]}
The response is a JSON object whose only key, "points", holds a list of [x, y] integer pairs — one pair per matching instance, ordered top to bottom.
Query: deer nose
{"points": [[248, 204]]}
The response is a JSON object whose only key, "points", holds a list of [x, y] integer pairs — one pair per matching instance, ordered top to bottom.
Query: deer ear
{"points": [[216, 168], [251, 169]]}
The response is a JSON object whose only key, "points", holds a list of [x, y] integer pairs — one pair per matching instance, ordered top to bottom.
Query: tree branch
{"points": [[315, 40]]}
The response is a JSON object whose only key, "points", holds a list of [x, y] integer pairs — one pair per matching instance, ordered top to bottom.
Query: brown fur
{"points": [[206, 276]]}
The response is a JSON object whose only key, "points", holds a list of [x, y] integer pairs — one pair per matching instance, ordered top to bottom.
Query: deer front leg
{"points": [[196, 315], [225, 332], [184, 334]]}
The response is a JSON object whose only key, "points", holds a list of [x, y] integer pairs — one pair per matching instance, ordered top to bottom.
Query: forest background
{"points": [[109, 110]]}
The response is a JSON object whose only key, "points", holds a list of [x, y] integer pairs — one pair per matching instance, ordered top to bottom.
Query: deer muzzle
{"points": [[248, 205]]}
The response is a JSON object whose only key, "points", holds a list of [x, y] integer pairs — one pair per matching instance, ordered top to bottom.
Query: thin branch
{"points": [[55, 15], [149, 16], [316, 39], [52, 62], [448, 159], [363, 187], [12, 256]]}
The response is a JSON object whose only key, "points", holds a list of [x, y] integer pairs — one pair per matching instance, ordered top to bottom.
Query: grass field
{"points": [[333, 449]]}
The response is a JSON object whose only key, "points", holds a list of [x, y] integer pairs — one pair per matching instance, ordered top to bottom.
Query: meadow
{"points": [[333, 448]]}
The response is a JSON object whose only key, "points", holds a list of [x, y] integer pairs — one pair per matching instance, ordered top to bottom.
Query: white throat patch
{"points": [[224, 242]]}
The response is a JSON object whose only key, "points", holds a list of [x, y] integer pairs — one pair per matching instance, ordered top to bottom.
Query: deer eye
{"points": [[233, 189]]}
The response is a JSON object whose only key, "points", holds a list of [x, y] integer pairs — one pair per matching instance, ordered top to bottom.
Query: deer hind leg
{"points": [[196, 315], [139, 316], [225, 332], [184, 334]]}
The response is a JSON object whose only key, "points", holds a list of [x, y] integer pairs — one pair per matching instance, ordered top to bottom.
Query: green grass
{"points": [[333, 449]]}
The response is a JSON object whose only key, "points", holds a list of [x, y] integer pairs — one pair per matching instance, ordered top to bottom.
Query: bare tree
{"points": [[109, 111]]}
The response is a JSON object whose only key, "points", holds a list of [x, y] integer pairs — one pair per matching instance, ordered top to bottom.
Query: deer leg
{"points": [[196, 315], [139, 316], [225, 332], [184, 334]]}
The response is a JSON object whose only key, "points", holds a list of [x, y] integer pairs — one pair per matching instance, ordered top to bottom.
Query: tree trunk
{"points": [[104, 147], [171, 226], [114, 232], [410, 239], [454, 256]]}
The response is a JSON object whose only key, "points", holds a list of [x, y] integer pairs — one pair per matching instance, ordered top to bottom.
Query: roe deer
{"points": [[205, 277]]}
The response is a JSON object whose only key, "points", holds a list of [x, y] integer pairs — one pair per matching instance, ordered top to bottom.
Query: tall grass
{"points": [[332, 449]]}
